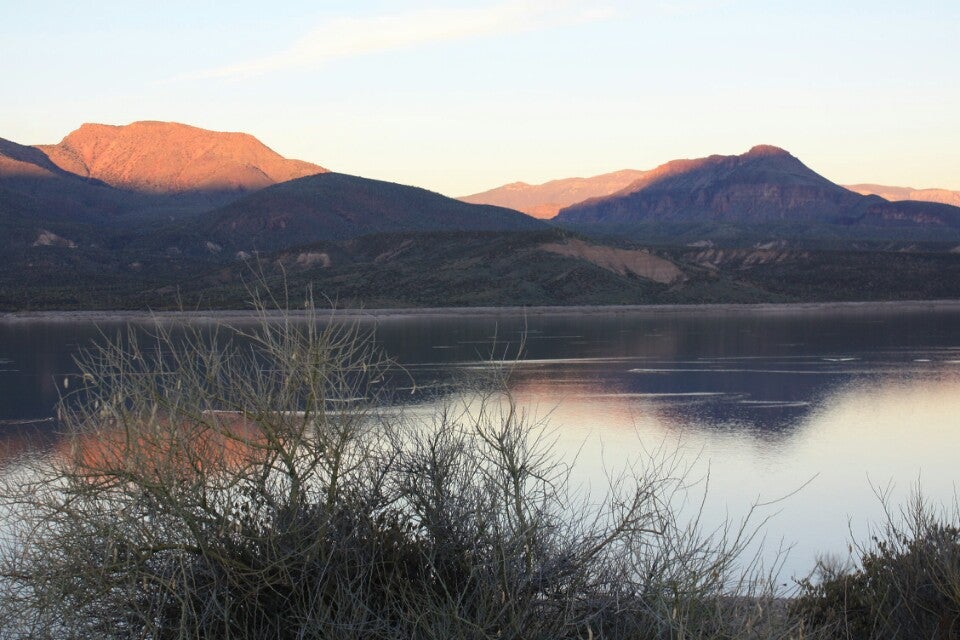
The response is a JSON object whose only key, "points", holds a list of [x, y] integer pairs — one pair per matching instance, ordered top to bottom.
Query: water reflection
{"points": [[867, 432], [19, 438]]}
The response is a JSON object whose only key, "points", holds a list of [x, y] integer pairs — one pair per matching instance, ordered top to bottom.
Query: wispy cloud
{"points": [[348, 37]]}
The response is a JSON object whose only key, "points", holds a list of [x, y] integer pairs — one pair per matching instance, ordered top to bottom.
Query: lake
{"points": [[812, 410]]}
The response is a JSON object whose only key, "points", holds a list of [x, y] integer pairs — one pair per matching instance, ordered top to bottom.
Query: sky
{"points": [[460, 97]]}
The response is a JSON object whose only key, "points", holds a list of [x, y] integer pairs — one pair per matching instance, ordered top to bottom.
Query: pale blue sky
{"points": [[461, 97]]}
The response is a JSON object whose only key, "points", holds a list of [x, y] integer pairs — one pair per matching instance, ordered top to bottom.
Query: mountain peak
{"points": [[151, 127], [761, 150], [170, 157], [764, 185]]}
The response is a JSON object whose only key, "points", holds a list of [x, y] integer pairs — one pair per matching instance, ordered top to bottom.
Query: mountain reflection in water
{"points": [[842, 444]]}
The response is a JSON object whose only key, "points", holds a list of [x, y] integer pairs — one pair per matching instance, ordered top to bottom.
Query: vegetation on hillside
{"points": [[442, 269]]}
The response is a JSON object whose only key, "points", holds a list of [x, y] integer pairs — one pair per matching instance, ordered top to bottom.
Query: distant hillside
{"points": [[168, 157], [765, 187], [943, 196], [545, 200], [335, 206], [480, 268], [453, 269]]}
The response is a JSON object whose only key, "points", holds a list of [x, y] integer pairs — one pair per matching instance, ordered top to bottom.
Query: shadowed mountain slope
{"points": [[168, 157], [21, 161], [765, 186], [37, 195], [545, 200], [336, 206]]}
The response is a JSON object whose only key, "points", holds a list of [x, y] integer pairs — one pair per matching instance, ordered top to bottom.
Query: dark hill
{"points": [[53, 191], [37, 197], [335, 206]]}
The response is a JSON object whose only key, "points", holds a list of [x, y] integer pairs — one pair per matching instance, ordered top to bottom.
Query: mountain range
{"points": [[164, 180], [765, 191], [943, 196], [547, 199], [142, 214]]}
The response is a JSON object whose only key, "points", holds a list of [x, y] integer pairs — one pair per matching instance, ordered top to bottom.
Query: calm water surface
{"points": [[838, 402]]}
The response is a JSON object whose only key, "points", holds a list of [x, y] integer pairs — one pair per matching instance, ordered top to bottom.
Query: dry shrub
{"points": [[254, 483], [905, 585]]}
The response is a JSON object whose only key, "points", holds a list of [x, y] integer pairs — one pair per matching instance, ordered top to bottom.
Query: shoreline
{"points": [[107, 315]]}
